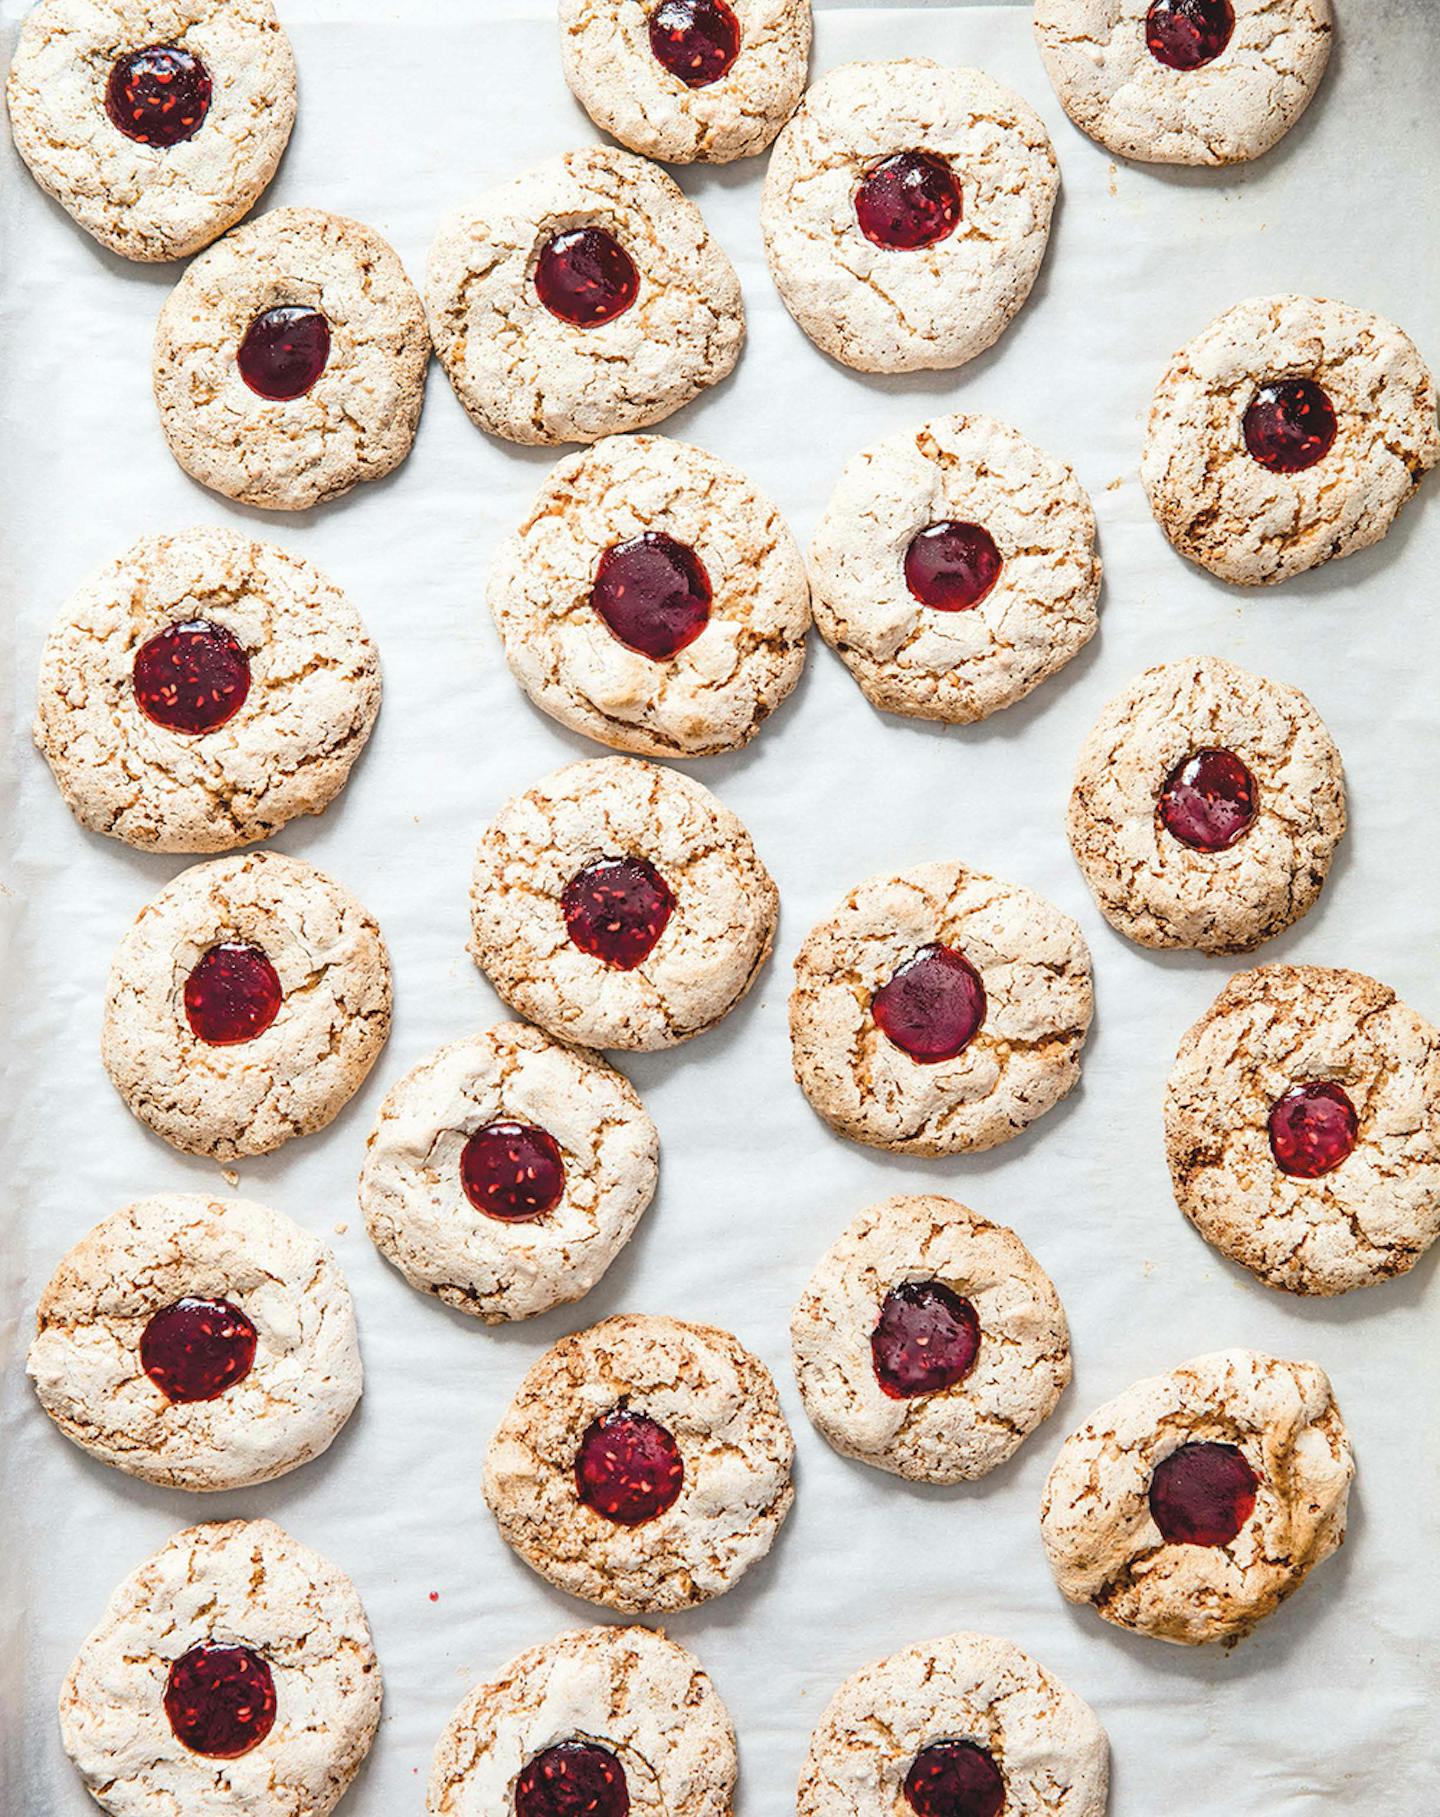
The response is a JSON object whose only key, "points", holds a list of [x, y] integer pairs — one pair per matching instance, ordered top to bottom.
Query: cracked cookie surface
{"points": [[151, 201], [936, 306], [528, 375], [355, 422], [1243, 521], [957, 666], [312, 694], [711, 695], [1154, 888], [1034, 967], [292, 1078], [1369, 1217], [302, 1386], [719, 1405], [1101, 1536], [233, 1583], [636, 1694], [1050, 1749]]}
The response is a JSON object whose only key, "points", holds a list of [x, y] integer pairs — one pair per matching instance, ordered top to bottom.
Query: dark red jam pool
{"points": [[1188, 34], [696, 40], [159, 95], [908, 201], [586, 277], [284, 351], [1290, 425], [951, 567], [653, 594], [191, 677], [1209, 800], [616, 909], [232, 995], [933, 1006], [1312, 1129], [512, 1171], [927, 1339], [196, 1349], [628, 1468], [1202, 1495], [220, 1700], [572, 1779], [954, 1779]]}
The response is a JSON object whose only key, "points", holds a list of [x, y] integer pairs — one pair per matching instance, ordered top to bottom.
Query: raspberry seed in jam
{"points": [[1188, 34], [696, 40], [159, 95], [908, 201], [586, 277], [284, 352], [1290, 425], [951, 566], [653, 594], [191, 677], [1209, 800], [616, 909], [232, 995], [933, 1006], [1312, 1129], [512, 1171], [927, 1338], [196, 1349], [628, 1468], [1202, 1495], [220, 1700], [572, 1779], [954, 1779]]}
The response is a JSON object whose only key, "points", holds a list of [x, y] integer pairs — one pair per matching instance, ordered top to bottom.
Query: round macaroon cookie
{"points": [[687, 81], [155, 124], [906, 213], [581, 299], [289, 361], [1287, 433], [955, 569], [653, 599], [203, 689], [1207, 807], [620, 905], [245, 1006], [939, 1011], [1302, 1124], [929, 1342], [199, 1343], [643, 1464], [1190, 1506], [232, 1672], [602, 1722]]}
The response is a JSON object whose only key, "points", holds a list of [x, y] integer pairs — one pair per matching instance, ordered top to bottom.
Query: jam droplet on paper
{"points": [[159, 95], [908, 201], [586, 277], [653, 594], [191, 677], [232, 995], [933, 1006], [512, 1171], [927, 1338], [195, 1349], [628, 1468], [1202, 1495], [220, 1700]]}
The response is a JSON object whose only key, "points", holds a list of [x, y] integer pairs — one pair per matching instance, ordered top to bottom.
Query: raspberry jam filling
{"points": [[1188, 34], [696, 40], [159, 95], [908, 201], [586, 277], [284, 351], [1290, 425], [952, 566], [653, 594], [191, 677], [1208, 800], [616, 909], [232, 995], [933, 1006], [1313, 1128], [512, 1171], [927, 1339], [196, 1349], [628, 1468], [1202, 1495], [220, 1700], [572, 1779], [954, 1779]]}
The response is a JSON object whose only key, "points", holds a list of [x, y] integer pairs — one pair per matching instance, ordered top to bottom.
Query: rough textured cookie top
{"points": [[150, 176], [892, 307], [1099, 1518]]}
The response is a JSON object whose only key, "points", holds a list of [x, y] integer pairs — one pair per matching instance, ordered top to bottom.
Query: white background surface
{"points": [[406, 111]]}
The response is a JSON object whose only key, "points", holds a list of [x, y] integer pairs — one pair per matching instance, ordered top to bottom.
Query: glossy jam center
{"points": [[1187, 34], [696, 40], [159, 95], [908, 201], [586, 277], [284, 351], [1290, 425], [952, 566], [653, 594], [191, 677], [1208, 800], [616, 909], [232, 995], [933, 1006], [1313, 1128], [512, 1171], [927, 1338], [196, 1349], [628, 1468], [1202, 1495], [220, 1700], [572, 1779], [954, 1779]]}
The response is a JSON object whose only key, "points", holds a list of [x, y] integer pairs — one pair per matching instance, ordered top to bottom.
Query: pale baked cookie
{"points": [[687, 80], [1185, 81], [154, 123], [906, 212], [580, 299], [289, 361], [1288, 432], [955, 569], [653, 599], [202, 690], [1207, 806], [620, 905], [245, 1006], [938, 1011], [1302, 1123], [507, 1172], [929, 1342], [199, 1343], [643, 1464], [1190, 1506], [233, 1672], [609, 1722], [968, 1724]]}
